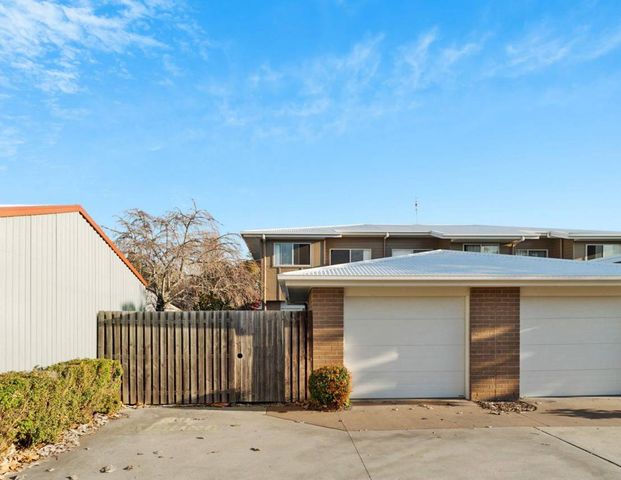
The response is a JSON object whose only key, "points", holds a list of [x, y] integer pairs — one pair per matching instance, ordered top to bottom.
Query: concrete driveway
{"points": [[188, 443]]}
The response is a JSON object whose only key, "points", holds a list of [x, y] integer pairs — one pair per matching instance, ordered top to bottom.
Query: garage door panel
{"points": [[570, 307], [411, 308], [574, 330], [413, 332], [570, 346], [405, 347], [570, 357], [429, 358], [570, 383], [390, 384]]}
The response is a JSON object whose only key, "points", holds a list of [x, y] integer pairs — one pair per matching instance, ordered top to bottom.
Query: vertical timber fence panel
{"points": [[209, 357]]}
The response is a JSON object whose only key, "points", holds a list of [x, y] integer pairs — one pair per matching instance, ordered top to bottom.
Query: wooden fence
{"points": [[209, 357]]}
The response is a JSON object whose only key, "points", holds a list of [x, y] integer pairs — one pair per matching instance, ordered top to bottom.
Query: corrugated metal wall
{"points": [[56, 273]]}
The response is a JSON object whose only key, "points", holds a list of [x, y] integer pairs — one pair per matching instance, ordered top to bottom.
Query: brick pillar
{"points": [[326, 305], [494, 343]]}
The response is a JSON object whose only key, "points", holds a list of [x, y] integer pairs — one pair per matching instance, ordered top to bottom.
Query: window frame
{"points": [[482, 245], [603, 245], [370, 250], [532, 250], [412, 251], [275, 258]]}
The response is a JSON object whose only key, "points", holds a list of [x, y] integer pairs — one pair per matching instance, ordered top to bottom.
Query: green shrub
{"points": [[91, 386], [330, 387], [36, 407]]}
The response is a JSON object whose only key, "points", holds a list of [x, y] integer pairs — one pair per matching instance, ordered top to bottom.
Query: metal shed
{"points": [[57, 270]]}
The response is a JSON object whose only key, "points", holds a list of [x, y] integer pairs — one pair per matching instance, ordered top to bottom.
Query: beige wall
{"points": [[406, 291], [571, 291]]}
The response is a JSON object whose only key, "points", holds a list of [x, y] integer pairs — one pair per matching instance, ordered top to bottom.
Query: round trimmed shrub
{"points": [[330, 387]]}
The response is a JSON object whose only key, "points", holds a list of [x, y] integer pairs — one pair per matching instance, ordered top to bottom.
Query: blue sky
{"points": [[280, 113]]}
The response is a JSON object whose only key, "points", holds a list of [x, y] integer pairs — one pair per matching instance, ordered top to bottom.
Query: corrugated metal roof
{"points": [[441, 231], [615, 259], [450, 263]]}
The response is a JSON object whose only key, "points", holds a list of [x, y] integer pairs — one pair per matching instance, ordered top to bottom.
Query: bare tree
{"points": [[186, 261]]}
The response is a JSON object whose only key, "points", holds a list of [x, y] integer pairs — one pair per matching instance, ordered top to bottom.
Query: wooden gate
{"points": [[209, 357]]}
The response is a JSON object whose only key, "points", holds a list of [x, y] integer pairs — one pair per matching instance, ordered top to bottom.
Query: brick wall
{"points": [[327, 307], [494, 343]]}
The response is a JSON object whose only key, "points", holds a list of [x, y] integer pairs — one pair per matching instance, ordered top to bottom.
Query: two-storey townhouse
{"points": [[280, 250]]}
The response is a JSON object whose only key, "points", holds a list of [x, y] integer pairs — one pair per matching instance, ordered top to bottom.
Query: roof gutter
{"points": [[289, 235], [494, 237], [584, 237], [384, 281]]}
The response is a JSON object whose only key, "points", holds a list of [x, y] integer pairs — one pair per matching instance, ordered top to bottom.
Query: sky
{"points": [[280, 113]]}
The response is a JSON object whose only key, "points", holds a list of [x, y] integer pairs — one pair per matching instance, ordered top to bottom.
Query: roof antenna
{"points": [[416, 205]]}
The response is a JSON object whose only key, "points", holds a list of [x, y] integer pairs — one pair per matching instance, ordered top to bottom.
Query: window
{"points": [[480, 248], [602, 251], [398, 252], [532, 252], [288, 254], [347, 255]]}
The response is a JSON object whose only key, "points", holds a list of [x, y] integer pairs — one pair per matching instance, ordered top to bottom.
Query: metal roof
{"points": [[439, 231], [615, 259], [451, 264]]}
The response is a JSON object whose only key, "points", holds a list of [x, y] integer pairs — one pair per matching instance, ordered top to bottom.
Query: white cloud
{"points": [[48, 41], [606, 43], [56, 46], [543, 47], [538, 50], [412, 59], [425, 62], [171, 66], [348, 74], [265, 75], [330, 92], [305, 98], [10, 140]]}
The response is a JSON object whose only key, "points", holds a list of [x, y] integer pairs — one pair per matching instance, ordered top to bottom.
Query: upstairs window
{"points": [[481, 248], [602, 251], [398, 252], [532, 252], [291, 254], [348, 255]]}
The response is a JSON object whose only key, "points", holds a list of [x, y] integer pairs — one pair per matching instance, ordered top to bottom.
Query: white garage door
{"points": [[570, 346], [405, 347]]}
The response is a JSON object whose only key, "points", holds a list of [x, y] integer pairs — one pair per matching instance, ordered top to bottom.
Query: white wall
{"points": [[56, 273]]}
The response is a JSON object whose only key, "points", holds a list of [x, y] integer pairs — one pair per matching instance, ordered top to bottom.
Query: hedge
{"points": [[330, 387], [37, 406]]}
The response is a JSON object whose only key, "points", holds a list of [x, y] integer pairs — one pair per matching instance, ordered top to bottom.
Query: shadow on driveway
{"points": [[586, 413]]}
